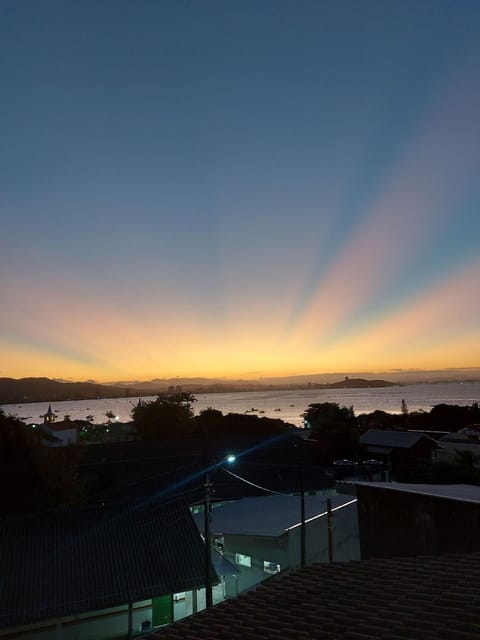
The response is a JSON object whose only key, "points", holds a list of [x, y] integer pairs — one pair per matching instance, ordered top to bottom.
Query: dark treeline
{"points": [[174, 414], [442, 417], [336, 432], [166, 440], [164, 444], [32, 475]]}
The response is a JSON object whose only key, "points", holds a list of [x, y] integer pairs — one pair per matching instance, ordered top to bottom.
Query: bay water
{"points": [[287, 405]]}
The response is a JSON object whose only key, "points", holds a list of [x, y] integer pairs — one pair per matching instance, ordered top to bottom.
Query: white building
{"points": [[60, 434], [262, 536]]}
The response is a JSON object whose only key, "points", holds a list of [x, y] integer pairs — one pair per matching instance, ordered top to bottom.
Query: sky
{"points": [[238, 188]]}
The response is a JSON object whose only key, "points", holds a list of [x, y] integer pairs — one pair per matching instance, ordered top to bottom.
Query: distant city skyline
{"points": [[238, 190]]}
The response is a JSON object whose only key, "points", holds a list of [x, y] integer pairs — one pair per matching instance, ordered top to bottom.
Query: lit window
{"points": [[244, 561], [271, 567]]}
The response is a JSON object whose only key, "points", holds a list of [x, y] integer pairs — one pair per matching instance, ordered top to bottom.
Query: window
{"points": [[243, 560], [271, 567]]}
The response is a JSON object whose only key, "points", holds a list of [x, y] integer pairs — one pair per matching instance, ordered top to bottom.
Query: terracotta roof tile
{"points": [[432, 598]]}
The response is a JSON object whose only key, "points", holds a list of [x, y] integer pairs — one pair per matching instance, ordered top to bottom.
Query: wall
{"points": [[395, 523], [345, 536], [259, 548], [286, 549], [96, 625]]}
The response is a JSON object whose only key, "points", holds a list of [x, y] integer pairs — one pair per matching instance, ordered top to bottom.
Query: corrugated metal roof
{"points": [[265, 516], [73, 560], [426, 598]]}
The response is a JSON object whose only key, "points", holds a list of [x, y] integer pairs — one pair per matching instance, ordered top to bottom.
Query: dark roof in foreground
{"points": [[74, 560], [393, 599]]}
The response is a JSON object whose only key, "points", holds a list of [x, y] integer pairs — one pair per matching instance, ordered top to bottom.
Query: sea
{"points": [[287, 405]]}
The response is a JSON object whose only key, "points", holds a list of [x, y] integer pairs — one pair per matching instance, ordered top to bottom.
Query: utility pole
{"points": [[206, 508], [302, 510], [207, 521], [330, 529], [208, 555]]}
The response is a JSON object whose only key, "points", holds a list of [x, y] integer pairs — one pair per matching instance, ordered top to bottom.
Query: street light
{"points": [[207, 516]]}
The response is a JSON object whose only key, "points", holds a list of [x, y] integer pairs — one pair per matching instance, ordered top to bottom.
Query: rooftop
{"points": [[62, 425], [392, 439], [461, 492], [268, 515], [72, 560], [391, 599]]}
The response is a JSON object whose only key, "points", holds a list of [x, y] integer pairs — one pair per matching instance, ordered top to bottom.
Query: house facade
{"points": [[60, 434], [398, 449], [263, 536]]}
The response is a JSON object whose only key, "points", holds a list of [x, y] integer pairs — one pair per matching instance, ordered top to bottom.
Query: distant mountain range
{"points": [[396, 377], [26, 390], [45, 390]]}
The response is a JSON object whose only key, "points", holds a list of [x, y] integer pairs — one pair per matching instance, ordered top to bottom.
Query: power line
{"points": [[257, 486]]}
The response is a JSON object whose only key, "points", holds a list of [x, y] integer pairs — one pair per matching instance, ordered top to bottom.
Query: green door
{"points": [[162, 610]]}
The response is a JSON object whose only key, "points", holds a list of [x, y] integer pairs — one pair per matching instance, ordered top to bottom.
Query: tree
{"points": [[326, 414], [110, 416], [167, 416], [450, 416], [378, 420], [209, 422], [241, 424], [335, 429], [467, 459], [462, 469], [19, 473], [33, 476], [60, 480]]}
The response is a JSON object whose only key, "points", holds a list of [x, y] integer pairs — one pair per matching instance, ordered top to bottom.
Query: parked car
{"points": [[345, 463], [372, 463]]}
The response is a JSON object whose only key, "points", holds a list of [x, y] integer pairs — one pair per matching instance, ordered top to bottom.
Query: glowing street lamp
{"points": [[207, 515]]}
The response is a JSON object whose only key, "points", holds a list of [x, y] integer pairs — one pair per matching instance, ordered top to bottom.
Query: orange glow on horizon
{"points": [[283, 207], [437, 329]]}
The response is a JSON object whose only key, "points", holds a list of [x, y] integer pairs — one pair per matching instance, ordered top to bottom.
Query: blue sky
{"points": [[238, 188]]}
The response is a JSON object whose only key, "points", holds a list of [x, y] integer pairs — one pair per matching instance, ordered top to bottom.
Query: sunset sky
{"points": [[238, 188]]}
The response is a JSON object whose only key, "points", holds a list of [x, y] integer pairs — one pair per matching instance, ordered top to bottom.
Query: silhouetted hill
{"points": [[358, 383], [45, 390]]}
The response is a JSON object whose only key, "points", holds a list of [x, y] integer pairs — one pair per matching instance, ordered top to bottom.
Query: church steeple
{"points": [[49, 416]]}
